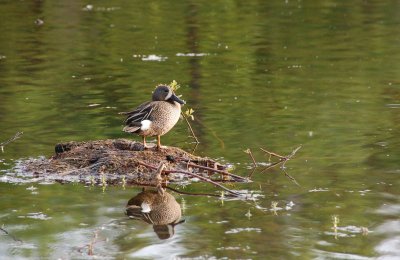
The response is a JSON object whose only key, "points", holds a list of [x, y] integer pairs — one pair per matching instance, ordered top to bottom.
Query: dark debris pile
{"points": [[118, 161]]}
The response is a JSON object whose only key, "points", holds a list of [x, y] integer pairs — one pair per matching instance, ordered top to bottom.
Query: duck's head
{"points": [[165, 93]]}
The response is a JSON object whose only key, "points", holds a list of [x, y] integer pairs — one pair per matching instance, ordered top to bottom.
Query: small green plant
{"points": [[174, 85], [189, 113], [92, 180], [103, 181], [123, 182], [222, 197], [274, 207], [248, 214], [335, 221], [364, 231]]}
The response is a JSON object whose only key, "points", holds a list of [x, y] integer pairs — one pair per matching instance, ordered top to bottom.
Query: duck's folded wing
{"points": [[135, 117]]}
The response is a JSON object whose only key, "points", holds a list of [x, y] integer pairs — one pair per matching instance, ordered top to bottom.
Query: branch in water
{"points": [[15, 137], [282, 160], [193, 175]]}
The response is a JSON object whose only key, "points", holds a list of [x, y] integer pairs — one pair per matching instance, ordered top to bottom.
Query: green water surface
{"points": [[270, 74]]}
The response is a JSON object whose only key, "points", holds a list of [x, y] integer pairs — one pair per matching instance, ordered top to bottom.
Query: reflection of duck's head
{"points": [[157, 208]]}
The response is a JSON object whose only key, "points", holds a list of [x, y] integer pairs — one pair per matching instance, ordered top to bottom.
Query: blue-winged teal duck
{"points": [[156, 117]]}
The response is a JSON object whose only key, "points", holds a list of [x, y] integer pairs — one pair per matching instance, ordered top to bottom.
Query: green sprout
{"points": [[174, 85], [189, 113], [92, 180], [103, 181], [123, 182], [222, 198], [274, 207], [248, 214], [335, 221]]}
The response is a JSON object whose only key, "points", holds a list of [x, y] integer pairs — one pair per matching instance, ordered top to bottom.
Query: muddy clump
{"points": [[117, 161]]}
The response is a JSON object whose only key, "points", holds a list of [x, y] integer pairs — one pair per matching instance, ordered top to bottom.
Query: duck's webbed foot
{"points": [[159, 146]]}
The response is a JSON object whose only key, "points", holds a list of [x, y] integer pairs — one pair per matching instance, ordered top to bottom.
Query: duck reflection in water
{"points": [[158, 208]]}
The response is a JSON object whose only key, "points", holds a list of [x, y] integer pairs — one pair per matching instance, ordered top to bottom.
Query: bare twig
{"points": [[190, 128], [15, 137], [194, 148], [248, 151], [293, 152], [273, 154], [290, 156], [283, 160], [206, 161], [195, 164], [219, 171], [251, 173], [193, 175], [193, 193]]}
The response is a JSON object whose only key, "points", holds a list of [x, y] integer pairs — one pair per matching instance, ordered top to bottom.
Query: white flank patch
{"points": [[145, 125], [145, 207]]}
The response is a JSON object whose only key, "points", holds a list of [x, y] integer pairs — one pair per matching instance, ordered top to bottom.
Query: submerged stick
{"points": [[15, 137], [248, 151]]}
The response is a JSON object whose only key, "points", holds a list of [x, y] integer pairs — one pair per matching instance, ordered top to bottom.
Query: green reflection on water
{"points": [[273, 74]]}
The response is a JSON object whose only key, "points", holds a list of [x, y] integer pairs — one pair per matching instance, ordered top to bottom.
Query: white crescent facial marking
{"points": [[169, 95], [145, 125]]}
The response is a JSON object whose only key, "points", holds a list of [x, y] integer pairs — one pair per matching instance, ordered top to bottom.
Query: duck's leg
{"points": [[144, 142], [158, 142], [159, 146]]}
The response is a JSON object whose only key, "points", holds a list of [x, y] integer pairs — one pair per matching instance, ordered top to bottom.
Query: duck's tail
{"points": [[130, 129]]}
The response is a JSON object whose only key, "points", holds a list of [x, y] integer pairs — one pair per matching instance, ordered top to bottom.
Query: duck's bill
{"points": [[175, 98]]}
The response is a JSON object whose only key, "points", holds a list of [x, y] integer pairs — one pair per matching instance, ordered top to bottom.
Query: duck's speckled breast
{"points": [[164, 116]]}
